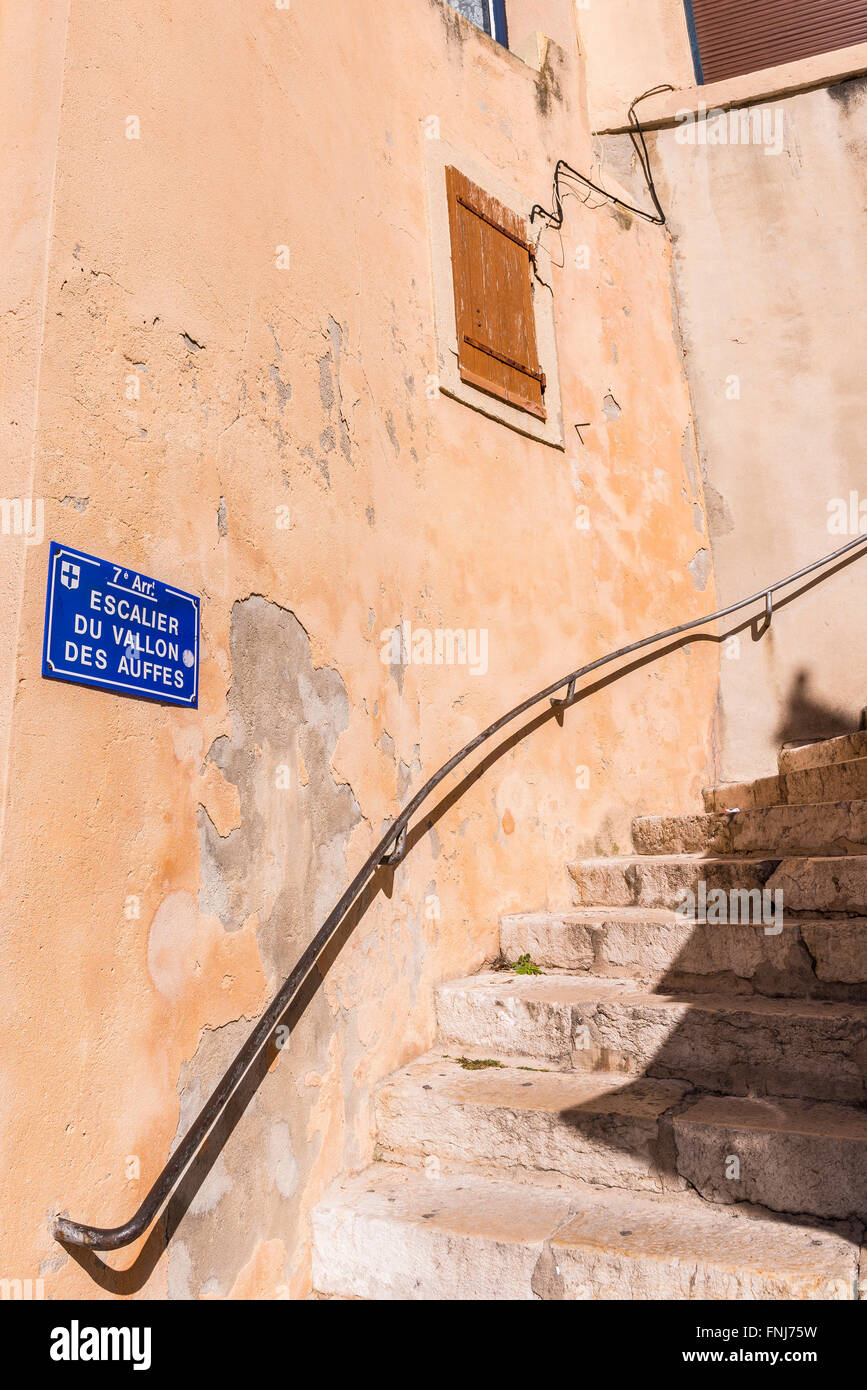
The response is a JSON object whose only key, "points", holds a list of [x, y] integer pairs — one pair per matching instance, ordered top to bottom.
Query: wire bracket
{"points": [[761, 625], [567, 698], [395, 855]]}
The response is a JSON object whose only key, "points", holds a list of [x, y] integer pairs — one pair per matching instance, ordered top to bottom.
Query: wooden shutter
{"points": [[737, 36], [494, 316]]}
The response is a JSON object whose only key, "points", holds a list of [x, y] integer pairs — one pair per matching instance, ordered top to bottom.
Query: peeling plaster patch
{"points": [[335, 333], [189, 343], [277, 347], [326, 383], [284, 390], [331, 393], [610, 407], [392, 433], [687, 454], [321, 464], [79, 503], [370, 514], [697, 518], [719, 518], [222, 523], [699, 568], [220, 800], [286, 861], [213, 894], [280, 1161]]}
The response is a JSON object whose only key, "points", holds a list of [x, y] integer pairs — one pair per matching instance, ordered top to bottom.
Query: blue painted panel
{"points": [[109, 626]]}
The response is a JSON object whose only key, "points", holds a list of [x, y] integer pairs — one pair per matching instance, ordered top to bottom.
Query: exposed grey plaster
{"points": [[719, 518], [699, 567]]}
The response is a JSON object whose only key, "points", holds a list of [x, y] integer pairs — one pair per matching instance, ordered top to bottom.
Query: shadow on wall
{"points": [[807, 719]]}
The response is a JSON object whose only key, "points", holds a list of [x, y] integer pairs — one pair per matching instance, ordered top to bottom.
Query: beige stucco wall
{"points": [[630, 47], [771, 266], [769, 287], [163, 869]]}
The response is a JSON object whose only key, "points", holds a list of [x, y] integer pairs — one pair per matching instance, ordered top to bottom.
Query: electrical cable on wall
{"points": [[564, 170]]}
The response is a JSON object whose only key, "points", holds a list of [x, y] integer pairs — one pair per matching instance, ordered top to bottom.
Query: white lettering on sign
{"points": [[106, 625]]}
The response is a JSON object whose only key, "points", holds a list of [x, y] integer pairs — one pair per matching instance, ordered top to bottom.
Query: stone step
{"points": [[830, 750], [846, 781], [823, 828], [659, 880], [836, 883], [820, 958], [731, 1044], [437, 1114], [788, 1155], [791, 1155], [395, 1233]]}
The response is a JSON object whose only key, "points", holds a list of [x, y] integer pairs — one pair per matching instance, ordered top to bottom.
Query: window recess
{"points": [[489, 15]]}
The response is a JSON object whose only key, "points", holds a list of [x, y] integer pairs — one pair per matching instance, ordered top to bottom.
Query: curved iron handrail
{"points": [[388, 852]]}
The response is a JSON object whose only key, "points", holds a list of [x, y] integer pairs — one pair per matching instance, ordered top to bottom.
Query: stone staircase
{"points": [[670, 1110]]}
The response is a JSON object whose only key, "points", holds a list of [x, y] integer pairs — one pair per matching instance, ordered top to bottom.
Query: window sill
{"points": [[769, 84]]}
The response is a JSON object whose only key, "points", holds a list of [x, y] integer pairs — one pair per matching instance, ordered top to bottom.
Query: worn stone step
{"points": [[830, 750], [846, 781], [744, 796], [818, 828], [659, 880], [821, 884], [837, 884], [821, 958], [731, 1044], [583, 1126], [785, 1154], [789, 1155], [395, 1233], [626, 1247]]}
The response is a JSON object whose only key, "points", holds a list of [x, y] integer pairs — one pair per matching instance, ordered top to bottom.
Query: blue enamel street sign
{"points": [[109, 626]]}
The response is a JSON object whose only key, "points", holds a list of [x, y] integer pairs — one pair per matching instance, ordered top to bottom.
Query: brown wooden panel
{"points": [[737, 36], [494, 317]]}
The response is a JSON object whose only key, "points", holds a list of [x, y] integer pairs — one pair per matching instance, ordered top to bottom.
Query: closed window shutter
{"points": [[738, 36], [496, 327]]}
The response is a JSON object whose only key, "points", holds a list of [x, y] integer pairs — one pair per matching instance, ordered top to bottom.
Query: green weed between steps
{"points": [[524, 966]]}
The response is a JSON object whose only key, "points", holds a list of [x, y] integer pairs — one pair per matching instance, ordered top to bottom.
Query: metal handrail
{"points": [[389, 852]]}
